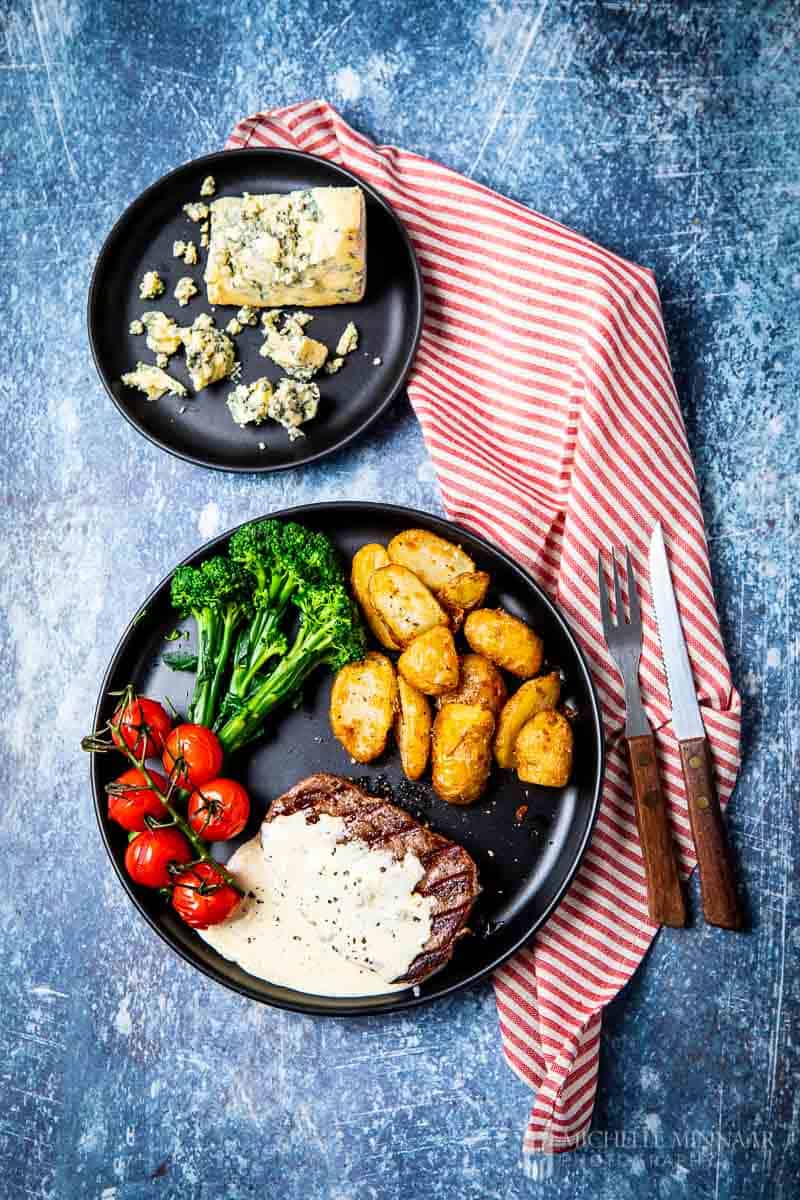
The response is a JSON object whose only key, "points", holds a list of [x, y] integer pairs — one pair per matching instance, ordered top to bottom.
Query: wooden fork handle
{"points": [[717, 885], [665, 904]]}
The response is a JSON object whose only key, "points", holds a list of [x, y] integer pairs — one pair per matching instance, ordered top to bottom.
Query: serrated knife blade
{"points": [[686, 719]]}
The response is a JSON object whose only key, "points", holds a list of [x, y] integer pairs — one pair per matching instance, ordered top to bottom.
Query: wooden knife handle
{"points": [[664, 897], [720, 903]]}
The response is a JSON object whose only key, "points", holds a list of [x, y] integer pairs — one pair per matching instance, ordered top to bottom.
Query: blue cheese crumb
{"points": [[208, 186], [196, 211], [178, 249], [190, 254], [151, 285], [185, 288], [247, 315], [234, 326], [136, 328], [348, 341], [376, 362], [333, 366], [154, 382], [248, 403], [292, 404]]}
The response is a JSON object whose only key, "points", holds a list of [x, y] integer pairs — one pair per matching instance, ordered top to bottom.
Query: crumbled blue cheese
{"points": [[208, 186], [196, 211], [178, 249], [190, 254], [151, 285], [185, 288], [247, 315], [270, 318], [299, 319], [233, 327], [136, 328], [163, 335], [349, 339], [210, 353], [299, 356], [162, 360], [376, 362], [334, 365], [154, 382], [249, 402], [292, 404]]}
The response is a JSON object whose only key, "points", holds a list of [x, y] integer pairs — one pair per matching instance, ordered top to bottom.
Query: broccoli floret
{"points": [[280, 557], [214, 595], [330, 632]]}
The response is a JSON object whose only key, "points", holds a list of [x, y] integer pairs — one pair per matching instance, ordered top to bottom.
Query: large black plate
{"points": [[389, 318], [525, 869]]}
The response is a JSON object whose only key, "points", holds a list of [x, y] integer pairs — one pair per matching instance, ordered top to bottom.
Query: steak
{"points": [[450, 878]]}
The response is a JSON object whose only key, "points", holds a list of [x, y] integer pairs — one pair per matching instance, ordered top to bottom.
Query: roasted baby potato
{"points": [[433, 559], [366, 562], [465, 592], [404, 603], [504, 640], [431, 662], [479, 682], [533, 697], [363, 703], [412, 728], [544, 750], [462, 752]]}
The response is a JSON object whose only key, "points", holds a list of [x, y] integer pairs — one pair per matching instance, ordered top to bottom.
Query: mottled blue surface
{"points": [[668, 131]]}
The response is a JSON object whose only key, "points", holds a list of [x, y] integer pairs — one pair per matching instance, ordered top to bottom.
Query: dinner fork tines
{"points": [[624, 640]]}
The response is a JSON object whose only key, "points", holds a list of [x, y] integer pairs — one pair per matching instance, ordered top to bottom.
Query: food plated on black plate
{"points": [[256, 309], [309, 887]]}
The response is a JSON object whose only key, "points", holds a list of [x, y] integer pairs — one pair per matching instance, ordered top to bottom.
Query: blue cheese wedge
{"points": [[304, 248], [151, 285], [185, 288], [163, 335], [348, 340], [210, 353], [299, 356], [153, 381], [248, 403], [292, 404]]}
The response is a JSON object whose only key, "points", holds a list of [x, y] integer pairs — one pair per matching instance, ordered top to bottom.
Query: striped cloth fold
{"points": [[543, 386]]}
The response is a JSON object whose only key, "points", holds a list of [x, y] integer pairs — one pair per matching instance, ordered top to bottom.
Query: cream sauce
{"points": [[322, 916]]}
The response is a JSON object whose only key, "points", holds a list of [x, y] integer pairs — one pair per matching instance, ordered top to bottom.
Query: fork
{"points": [[624, 640]]}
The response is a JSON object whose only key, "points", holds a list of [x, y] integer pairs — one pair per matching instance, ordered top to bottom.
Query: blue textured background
{"points": [[667, 131]]}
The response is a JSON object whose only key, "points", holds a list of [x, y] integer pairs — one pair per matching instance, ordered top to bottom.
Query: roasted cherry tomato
{"points": [[143, 723], [201, 751], [131, 799], [218, 810], [149, 855], [201, 897]]}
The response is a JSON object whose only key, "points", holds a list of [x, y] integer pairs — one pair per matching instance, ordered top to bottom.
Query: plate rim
{"points": [[390, 397], [404, 1001]]}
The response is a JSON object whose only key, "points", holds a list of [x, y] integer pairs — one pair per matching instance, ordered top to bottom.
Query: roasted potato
{"points": [[433, 559], [366, 562], [465, 592], [404, 603], [504, 640], [431, 662], [479, 682], [533, 697], [363, 704], [412, 728], [544, 750], [462, 752]]}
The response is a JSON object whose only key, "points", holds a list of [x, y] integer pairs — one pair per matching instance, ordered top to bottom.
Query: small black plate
{"points": [[389, 318], [525, 868]]}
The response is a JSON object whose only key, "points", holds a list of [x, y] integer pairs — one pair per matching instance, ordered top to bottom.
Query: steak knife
{"points": [[717, 885]]}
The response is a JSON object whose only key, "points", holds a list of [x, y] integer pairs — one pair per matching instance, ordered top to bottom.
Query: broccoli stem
{"points": [[207, 657], [289, 675]]}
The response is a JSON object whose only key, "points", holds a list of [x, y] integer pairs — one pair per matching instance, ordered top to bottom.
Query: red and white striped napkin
{"points": [[543, 386]]}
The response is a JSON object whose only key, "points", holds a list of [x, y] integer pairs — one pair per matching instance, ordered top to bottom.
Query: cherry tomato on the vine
{"points": [[143, 724], [200, 750], [131, 799], [218, 810], [148, 857], [201, 897]]}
